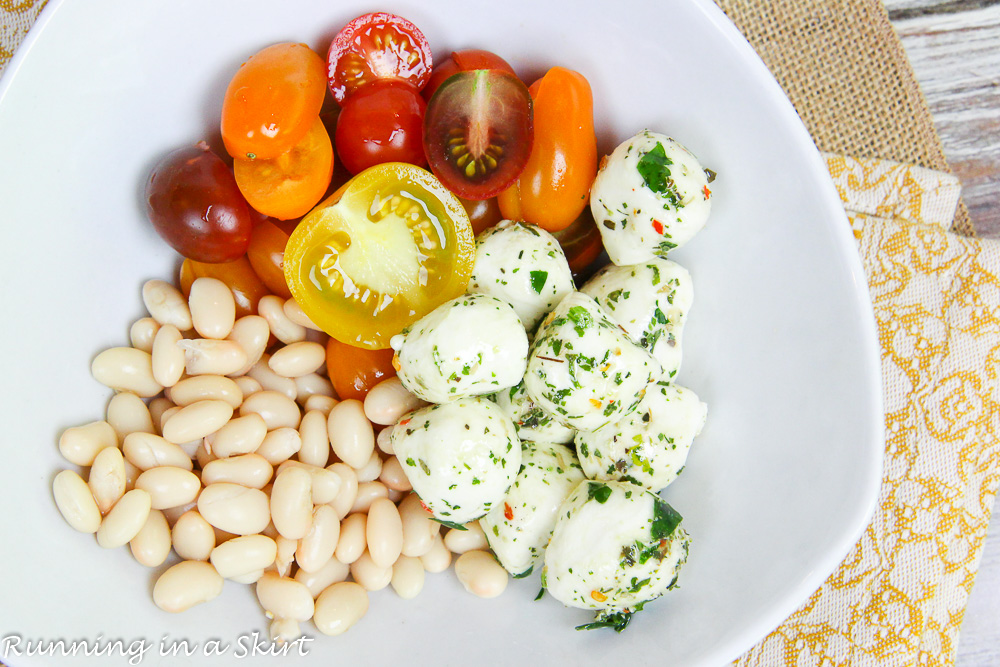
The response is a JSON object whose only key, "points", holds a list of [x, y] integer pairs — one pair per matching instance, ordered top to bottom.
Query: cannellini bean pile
{"points": [[234, 453]]}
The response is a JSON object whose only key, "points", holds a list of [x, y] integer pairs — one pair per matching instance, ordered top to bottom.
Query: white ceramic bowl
{"points": [[781, 340]]}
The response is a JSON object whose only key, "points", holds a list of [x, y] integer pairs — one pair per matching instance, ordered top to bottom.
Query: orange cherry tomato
{"points": [[272, 101], [289, 185], [552, 190], [483, 213], [266, 254], [247, 288], [354, 370]]}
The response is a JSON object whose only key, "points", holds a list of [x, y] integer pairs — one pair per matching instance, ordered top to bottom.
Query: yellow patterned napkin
{"points": [[16, 16], [900, 595]]}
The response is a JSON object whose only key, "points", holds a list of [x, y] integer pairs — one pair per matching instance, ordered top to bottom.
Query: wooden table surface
{"points": [[954, 46]]}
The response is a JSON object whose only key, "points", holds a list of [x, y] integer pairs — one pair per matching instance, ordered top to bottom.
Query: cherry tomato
{"points": [[377, 46], [464, 61], [272, 101], [382, 122], [477, 132], [289, 185], [552, 190], [194, 204], [483, 213], [580, 241], [266, 254], [378, 254], [247, 288], [354, 371]]}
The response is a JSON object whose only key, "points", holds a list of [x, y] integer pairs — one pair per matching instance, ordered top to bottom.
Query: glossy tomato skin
{"points": [[377, 46], [464, 61], [272, 101], [381, 122], [552, 190], [194, 204], [483, 213], [581, 242], [267, 255], [238, 275], [353, 371]]}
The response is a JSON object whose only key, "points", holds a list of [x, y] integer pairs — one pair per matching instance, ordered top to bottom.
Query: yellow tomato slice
{"points": [[381, 252]]}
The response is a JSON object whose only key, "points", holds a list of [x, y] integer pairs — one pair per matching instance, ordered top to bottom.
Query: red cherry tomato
{"points": [[377, 46], [464, 61], [382, 122], [477, 132], [194, 204], [483, 213], [581, 241], [354, 370]]}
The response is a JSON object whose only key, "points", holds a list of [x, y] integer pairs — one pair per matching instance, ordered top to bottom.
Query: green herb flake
{"points": [[538, 279], [600, 492]]}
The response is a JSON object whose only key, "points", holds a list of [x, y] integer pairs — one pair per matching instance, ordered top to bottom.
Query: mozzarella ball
{"points": [[650, 196], [523, 265], [650, 301], [468, 346], [583, 369], [530, 420], [650, 446], [460, 457], [519, 528], [614, 546]]}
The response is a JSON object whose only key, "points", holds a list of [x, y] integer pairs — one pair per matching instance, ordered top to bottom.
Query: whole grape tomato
{"points": [[381, 122], [378, 254], [267, 255]]}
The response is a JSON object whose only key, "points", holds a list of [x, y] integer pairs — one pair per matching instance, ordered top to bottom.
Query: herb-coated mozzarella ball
{"points": [[650, 196], [523, 265], [650, 301], [468, 346], [583, 369], [530, 420], [649, 446], [461, 457], [519, 528], [615, 546]]}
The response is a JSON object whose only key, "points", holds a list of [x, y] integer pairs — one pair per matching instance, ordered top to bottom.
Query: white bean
{"points": [[166, 304], [271, 308], [213, 309], [293, 311], [142, 333], [251, 333], [167, 356], [207, 356], [297, 359], [126, 369], [271, 381], [312, 384], [247, 385], [204, 387], [389, 400], [319, 402], [157, 407], [278, 410], [127, 413], [195, 421], [351, 434], [242, 435], [315, 439], [384, 440], [81, 444], [280, 445], [145, 451], [250, 470], [370, 471], [131, 474], [393, 476], [107, 478], [325, 483], [168, 486], [348, 488], [368, 492], [396, 496], [75, 502], [291, 503], [234, 508], [171, 514], [125, 519], [418, 529], [384, 532], [193, 537], [471, 539], [351, 544], [151, 545], [317, 547], [286, 555], [241, 556], [437, 558], [331, 573], [480, 574], [249, 577], [373, 577], [407, 577], [185, 585], [339, 607], [283, 630]]}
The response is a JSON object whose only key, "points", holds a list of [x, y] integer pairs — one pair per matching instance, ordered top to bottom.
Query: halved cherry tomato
{"points": [[377, 46], [464, 61], [272, 101], [381, 122], [477, 132], [289, 185], [552, 190], [483, 213], [266, 254], [378, 254], [246, 287], [354, 370]]}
